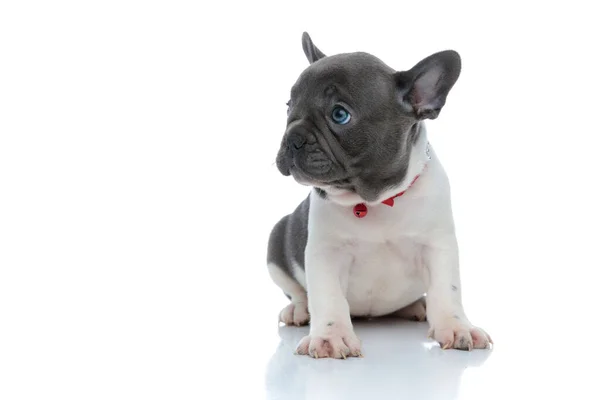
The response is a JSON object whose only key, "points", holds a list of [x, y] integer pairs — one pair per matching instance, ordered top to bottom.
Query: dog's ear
{"points": [[312, 52], [425, 86]]}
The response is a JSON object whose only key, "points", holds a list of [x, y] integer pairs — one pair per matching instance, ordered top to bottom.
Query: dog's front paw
{"points": [[457, 334], [332, 343]]}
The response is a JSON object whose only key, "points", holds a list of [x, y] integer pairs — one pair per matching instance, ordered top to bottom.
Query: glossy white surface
{"points": [[137, 191], [400, 362]]}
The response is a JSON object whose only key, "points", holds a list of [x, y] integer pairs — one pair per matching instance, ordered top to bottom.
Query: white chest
{"points": [[384, 249], [383, 277]]}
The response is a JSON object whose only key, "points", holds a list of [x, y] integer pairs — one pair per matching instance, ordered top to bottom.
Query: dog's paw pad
{"points": [[294, 314], [460, 336], [481, 339], [330, 346]]}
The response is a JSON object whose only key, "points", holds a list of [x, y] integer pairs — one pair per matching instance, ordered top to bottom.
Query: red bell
{"points": [[360, 210]]}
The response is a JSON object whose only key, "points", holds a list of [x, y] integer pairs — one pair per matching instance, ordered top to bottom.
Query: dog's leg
{"points": [[416, 311], [295, 313], [449, 325], [331, 332]]}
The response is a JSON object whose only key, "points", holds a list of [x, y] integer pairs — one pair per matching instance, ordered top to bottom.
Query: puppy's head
{"points": [[352, 120]]}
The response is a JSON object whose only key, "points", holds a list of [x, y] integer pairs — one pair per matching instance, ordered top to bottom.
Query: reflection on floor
{"points": [[399, 362]]}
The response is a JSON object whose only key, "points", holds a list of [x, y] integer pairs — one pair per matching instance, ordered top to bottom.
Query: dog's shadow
{"points": [[399, 361]]}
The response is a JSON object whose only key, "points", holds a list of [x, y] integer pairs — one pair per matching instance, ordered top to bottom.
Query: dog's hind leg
{"points": [[285, 257], [416, 311], [295, 313]]}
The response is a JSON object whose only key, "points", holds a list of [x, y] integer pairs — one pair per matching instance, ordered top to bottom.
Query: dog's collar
{"points": [[360, 210]]}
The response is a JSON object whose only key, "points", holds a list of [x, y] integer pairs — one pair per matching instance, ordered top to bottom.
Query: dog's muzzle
{"points": [[302, 155]]}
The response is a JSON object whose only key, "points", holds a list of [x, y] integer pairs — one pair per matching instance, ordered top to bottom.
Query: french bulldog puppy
{"points": [[376, 234]]}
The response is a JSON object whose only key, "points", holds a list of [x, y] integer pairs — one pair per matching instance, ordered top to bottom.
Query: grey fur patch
{"points": [[414, 134], [322, 194], [288, 239], [454, 288]]}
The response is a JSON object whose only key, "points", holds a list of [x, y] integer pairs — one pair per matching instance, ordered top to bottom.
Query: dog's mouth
{"points": [[303, 156], [311, 169], [303, 178], [336, 187], [339, 190]]}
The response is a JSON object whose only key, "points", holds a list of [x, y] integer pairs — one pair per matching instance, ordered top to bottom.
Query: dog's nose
{"points": [[296, 141]]}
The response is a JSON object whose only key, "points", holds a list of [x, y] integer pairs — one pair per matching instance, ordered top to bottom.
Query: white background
{"points": [[138, 188]]}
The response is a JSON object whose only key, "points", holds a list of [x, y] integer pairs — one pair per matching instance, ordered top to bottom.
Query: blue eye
{"points": [[340, 115]]}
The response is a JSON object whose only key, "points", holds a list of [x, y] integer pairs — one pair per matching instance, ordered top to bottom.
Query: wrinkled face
{"points": [[352, 120], [346, 129]]}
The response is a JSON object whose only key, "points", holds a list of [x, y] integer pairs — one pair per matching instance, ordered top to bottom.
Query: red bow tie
{"points": [[360, 210]]}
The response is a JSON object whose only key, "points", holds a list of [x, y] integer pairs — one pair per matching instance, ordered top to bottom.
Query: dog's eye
{"points": [[340, 115]]}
